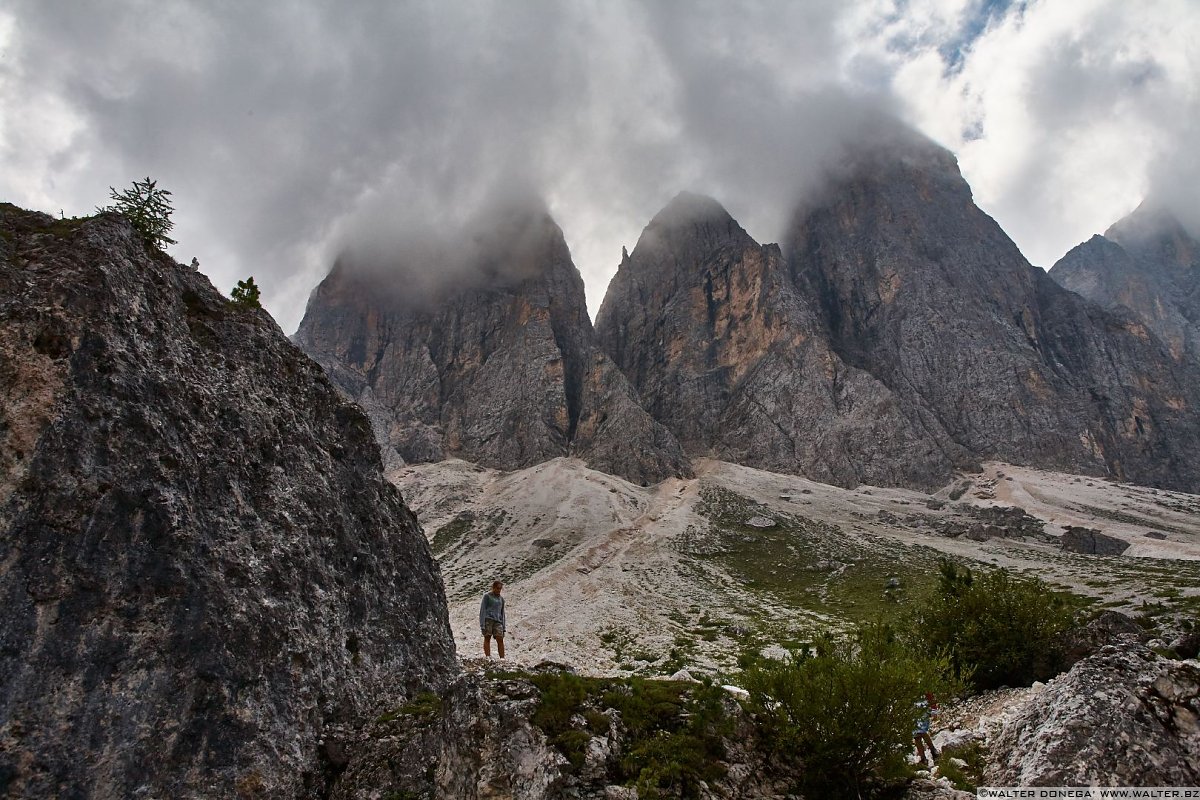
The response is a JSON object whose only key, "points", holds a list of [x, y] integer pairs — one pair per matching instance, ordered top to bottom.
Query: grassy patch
{"points": [[451, 533], [810, 565], [423, 708], [968, 776]]}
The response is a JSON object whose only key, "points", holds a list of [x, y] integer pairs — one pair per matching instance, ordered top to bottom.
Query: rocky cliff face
{"points": [[1148, 264], [922, 289], [897, 335], [728, 354], [500, 366], [203, 565]]}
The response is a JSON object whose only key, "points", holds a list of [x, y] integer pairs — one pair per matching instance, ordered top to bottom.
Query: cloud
{"points": [[1065, 115], [288, 130]]}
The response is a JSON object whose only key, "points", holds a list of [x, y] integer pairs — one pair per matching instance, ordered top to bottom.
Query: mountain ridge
{"points": [[1148, 263], [893, 278], [507, 373]]}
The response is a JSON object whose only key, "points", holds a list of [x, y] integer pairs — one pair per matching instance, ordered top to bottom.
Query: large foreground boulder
{"points": [[201, 564], [1123, 716]]}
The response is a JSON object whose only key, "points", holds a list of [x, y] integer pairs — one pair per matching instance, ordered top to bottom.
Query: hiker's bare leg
{"points": [[500, 645], [487, 646], [920, 748], [933, 751]]}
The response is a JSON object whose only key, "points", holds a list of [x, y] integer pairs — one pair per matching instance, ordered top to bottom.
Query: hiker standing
{"points": [[491, 620], [929, 710]]}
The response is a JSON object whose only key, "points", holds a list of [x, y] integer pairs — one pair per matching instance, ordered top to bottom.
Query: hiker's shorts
{"points": [[493, 627]]}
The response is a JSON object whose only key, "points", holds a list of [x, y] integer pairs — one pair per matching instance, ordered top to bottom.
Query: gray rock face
{"points": [[1147, 264], [924, 291], [898, 335], [728, 353], [502, 370], [1092, 542], [203, 565], [1121, 717]]}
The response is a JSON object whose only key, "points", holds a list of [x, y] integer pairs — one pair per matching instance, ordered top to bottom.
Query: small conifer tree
{"points": [[148, 210], [245, 294]]}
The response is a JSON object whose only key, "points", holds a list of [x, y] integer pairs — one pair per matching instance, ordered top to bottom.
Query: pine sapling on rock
{"points": [[148, 210], [245, 294]]}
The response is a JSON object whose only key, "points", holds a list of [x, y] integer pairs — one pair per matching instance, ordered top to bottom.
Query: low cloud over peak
{"points": [[291, 132]]}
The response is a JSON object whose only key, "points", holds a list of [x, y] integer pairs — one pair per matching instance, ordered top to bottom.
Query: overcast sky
{"points": [[286, 128]]}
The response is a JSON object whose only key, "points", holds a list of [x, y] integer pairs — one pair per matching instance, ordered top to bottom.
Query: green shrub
{"points": [[245, 294], [998, 629], [563, 694], [424, 708], [846, 709], [673, 731], [676, 736]]}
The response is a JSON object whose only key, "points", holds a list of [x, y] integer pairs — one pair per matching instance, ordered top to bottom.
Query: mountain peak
{"points": [[689, 208], [1151, 220], [689, 225], [1146, 263], [416, 266], [501, 343]]}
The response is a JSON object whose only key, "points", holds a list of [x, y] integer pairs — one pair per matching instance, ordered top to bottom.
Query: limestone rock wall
{"points": [[896, 336], [727, 353], [504, 372], [201, 563], [1124, 716]]}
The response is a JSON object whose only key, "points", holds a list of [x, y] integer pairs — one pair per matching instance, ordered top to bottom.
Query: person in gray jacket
{"points": [[491, 620]]}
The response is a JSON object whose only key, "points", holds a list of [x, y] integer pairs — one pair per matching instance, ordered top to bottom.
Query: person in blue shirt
{"points": [[491, 620]]}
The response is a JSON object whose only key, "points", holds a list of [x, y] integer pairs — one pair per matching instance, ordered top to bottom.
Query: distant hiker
{"points": [[195, 263], [491, 620], [929, 710]]}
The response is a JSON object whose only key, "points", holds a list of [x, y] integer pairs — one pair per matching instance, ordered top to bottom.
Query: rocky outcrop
{"points": [[1147, 264], [920, 288], [727, 353], [498, 365], [1092, 542], [203, 565], [1106, 628], [1124, 716], [481, 739], [473, 741]]}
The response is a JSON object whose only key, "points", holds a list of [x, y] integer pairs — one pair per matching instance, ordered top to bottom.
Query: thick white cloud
{"points": [[1065, 114], [285, 129]]}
